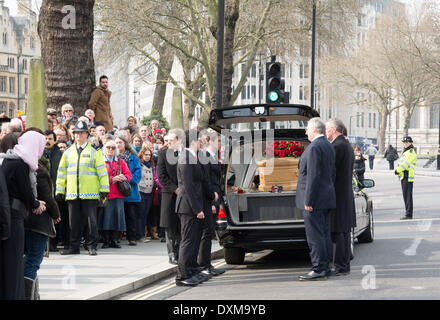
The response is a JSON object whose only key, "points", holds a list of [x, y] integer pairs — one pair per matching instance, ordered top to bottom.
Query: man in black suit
{"points": [[212, 172], [167, 174], [315, 196], [190, 206], [342, 216]]}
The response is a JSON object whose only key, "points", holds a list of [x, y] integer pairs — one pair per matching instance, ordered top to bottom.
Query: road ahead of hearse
{"points": [[403, 262]]}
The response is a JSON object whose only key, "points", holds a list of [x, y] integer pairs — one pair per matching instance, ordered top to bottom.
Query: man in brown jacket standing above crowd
{"points": [[100, 104]]}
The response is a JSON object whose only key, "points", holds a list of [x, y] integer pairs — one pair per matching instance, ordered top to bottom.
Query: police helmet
{"points": [[81, 126], [407, 139]]}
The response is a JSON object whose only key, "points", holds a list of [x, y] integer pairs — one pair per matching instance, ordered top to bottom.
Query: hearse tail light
{"points": [[221, 214]]}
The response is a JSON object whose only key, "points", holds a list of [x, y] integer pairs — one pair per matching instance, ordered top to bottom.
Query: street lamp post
{"points": [[260, 78], [312, 85], [135, 91], [438, 150]]}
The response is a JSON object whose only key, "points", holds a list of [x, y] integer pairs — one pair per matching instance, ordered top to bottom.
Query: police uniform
{"points": [[405, 171], [83, 180]]}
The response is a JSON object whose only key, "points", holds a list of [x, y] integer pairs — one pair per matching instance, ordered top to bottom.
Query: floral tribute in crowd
{"points": [[285, 149]]}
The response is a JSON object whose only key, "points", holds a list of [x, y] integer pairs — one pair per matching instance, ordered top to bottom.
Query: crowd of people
{"points": [[84, 182]]}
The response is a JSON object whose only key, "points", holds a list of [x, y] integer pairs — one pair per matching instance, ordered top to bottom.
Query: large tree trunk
{"points": [[232, 11], [67, 52], [166, 61], [188, 106], [382, 131]]}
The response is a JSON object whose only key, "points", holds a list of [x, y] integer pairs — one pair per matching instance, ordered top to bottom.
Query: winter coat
{"points": [[100, 104], [391, 154], [54, 155], [359, 168], [112, 169], [136, 174], [147, 180], [5, 213], [342, 217], [44, 223]]}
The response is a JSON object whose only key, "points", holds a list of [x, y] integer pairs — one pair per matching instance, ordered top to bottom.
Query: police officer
{"points": [[405, 171], [82, 180]]}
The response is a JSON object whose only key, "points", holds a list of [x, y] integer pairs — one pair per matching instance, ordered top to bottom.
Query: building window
{"points": [[5, 38], [32, 42], [11, 63], [24, 65], [254, 71], [304, 71], [11, 85], [25, 85], [3, 87], [253, 92], [301, 92], [243, 93], [3, 106], [11, 110], [362, 119], [369, 120], [374, 120], [414, 123]]}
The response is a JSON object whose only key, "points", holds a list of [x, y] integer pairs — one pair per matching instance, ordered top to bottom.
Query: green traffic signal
{"points": [[274, 96]]}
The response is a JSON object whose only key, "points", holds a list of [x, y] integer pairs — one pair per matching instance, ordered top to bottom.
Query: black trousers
{"points": [[391, 165], [407, 191], [130, 209], [83, 213], [64, 224], [317, 225], [190, 232], [207, 233], [173, 237], [342, 250], [11, 260]]}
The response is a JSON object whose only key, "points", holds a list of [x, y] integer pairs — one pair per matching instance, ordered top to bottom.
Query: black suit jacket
{"points": [[167, 169], [213, 173], [316, 176], [190, 181], [341, 221]]}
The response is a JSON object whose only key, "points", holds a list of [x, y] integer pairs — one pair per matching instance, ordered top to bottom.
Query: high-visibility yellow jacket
{"points": [[407, 162], [82, 177]]}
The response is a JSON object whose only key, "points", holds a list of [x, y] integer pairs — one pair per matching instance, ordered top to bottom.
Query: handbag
{"points": [[123, 186], [156, 196]]}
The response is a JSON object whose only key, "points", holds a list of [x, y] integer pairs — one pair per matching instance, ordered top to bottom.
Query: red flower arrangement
{"points": [[285, 149]]}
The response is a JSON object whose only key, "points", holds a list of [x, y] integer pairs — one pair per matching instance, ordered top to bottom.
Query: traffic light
{"points": [[274, 83]]}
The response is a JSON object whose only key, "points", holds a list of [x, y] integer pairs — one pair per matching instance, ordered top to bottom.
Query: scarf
{"points": [[136, 149], [10, 154], [125, 156], [148, 164]]}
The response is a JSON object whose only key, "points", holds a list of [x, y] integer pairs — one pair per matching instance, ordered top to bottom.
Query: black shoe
{"points": [[406, 218], [162, 239], [132, 243], [114, 244], [105, 245], [53, 249], [67, 252], [92, 252], [173, 261], [213, 271], [338, 272], [203, 276], [313, 276], [191, 282]]}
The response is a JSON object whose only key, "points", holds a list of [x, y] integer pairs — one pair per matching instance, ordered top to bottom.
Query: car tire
{"points": [[368, 235], [351, 244], [234, 255]]}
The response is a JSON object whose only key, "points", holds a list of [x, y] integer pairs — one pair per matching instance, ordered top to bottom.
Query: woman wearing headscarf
{"points": [[19, 166], [38, 229]]}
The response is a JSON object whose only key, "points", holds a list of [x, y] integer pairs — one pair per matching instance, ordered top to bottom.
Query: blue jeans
{"points": [[371, 161], [142, 214], [35, 248]]}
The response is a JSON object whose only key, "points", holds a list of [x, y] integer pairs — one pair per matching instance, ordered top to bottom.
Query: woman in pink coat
{"points": [[113, 220]]}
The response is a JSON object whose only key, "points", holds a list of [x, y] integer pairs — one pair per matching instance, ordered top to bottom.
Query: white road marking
{"points": [[407, 221], [424, 225], [412, 250], [168, 285], [418, 288]]}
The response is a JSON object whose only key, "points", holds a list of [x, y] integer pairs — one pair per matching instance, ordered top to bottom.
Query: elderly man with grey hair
{"points": [[15, 126], [315, 196], [343, 217]]}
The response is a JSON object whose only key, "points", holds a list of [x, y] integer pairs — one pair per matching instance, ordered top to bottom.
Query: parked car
{"points": [[254, 220]]}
